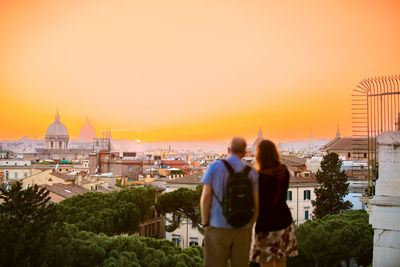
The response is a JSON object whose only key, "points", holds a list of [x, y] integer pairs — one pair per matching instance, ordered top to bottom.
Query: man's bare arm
{"points": [[205, 204]]}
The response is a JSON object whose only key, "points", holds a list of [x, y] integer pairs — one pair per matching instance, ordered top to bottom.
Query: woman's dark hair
{"points": [[267, 155]]}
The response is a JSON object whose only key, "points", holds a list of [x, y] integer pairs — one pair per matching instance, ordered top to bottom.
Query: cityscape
{"points": [[112, 113]]}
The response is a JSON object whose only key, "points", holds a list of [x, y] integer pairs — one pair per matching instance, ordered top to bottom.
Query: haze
{"points": [[191, 70]]}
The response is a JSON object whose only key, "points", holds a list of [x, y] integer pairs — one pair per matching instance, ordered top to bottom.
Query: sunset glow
{"points": [[191, 70]]}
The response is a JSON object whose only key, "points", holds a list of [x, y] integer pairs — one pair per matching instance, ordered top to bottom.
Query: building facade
{"points": [[186, 234]]}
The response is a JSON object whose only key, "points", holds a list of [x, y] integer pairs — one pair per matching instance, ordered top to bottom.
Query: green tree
{"points": [[334, 186], [183, 203], [113, 213], [25, 219], [33, 237], [328, 241], [71, 247]]}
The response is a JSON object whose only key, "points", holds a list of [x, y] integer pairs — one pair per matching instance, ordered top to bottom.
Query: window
{"points": [[349, 155], [365, 155], [15, 164], [130, 169], [6, 174], [25, 174], [15, 175], [307, 175], [307, 195], [289, 196], [306, 214], [176, 239], [193, 241]]}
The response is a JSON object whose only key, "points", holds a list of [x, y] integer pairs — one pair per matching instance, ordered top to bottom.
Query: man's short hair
{"points": [[238, 145]]}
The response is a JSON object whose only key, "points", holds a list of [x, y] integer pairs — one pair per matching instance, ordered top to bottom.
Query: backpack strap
{"points": [[228, 167], [246, 170]]}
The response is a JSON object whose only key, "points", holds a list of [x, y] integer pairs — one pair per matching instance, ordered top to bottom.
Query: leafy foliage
{"points": [[334, 186], [182, 203], [112, 213], [25, 218], [33, 232], [327, 241], [80, 248]]}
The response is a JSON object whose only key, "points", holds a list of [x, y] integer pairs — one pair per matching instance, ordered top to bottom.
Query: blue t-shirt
{"points": [[217, 176]]}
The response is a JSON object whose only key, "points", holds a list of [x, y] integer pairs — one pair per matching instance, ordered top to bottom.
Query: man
{"points": [[221, 240]]}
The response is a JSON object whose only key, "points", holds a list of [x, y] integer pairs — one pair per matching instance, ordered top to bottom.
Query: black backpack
{"points": [[238, 202]]}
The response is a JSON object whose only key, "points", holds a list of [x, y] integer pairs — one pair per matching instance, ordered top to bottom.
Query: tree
{"points": [[334, 186], [183, 203], [23, 206], [113, 213], [25, 219], [33, 237], [328, 241], [71, 247]]}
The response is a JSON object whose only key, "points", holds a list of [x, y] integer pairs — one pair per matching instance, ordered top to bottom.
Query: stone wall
{"points": [[385, 206]]}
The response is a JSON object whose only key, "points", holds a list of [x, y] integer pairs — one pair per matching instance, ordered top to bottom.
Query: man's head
{"points": [[238, 147]]}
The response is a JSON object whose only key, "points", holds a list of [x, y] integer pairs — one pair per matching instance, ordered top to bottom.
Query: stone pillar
{"points": [[385, 206]]}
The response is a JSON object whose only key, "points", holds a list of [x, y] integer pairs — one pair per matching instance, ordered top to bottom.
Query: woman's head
{"points": [[267, 155]]}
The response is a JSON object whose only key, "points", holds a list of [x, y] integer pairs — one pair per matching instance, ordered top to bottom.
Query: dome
{"points": [[57, 129], [87, 132]]}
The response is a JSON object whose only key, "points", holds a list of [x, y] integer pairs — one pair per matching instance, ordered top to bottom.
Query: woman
{"points": [[275, 239]]}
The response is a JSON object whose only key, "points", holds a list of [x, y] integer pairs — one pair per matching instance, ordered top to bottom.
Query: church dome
{"points": [[57, 129], [87, 132]]}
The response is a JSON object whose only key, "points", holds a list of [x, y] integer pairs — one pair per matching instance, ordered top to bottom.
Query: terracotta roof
{"points": [[346, 144], [290, 160], [63, 176], [194, 178], [300, 179], [65, 190]]}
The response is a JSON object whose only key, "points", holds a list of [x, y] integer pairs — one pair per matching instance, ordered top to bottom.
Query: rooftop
{"points": [[345, 144], [290, 160], [194, 178], [65, 190]]}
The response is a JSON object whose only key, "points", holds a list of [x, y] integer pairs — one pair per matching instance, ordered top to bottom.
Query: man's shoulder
{"points": [[216, 164]]}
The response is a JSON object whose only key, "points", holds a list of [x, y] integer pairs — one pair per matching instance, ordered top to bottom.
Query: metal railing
{"points": [[375, 109]]}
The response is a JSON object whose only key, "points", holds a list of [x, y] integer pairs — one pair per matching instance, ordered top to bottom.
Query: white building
{"points": [[313, 164], [15, 169], [299, 196], [186, 235]]}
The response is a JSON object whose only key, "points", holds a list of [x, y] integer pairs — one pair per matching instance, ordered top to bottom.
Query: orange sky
{"points": [[191, 70]]}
